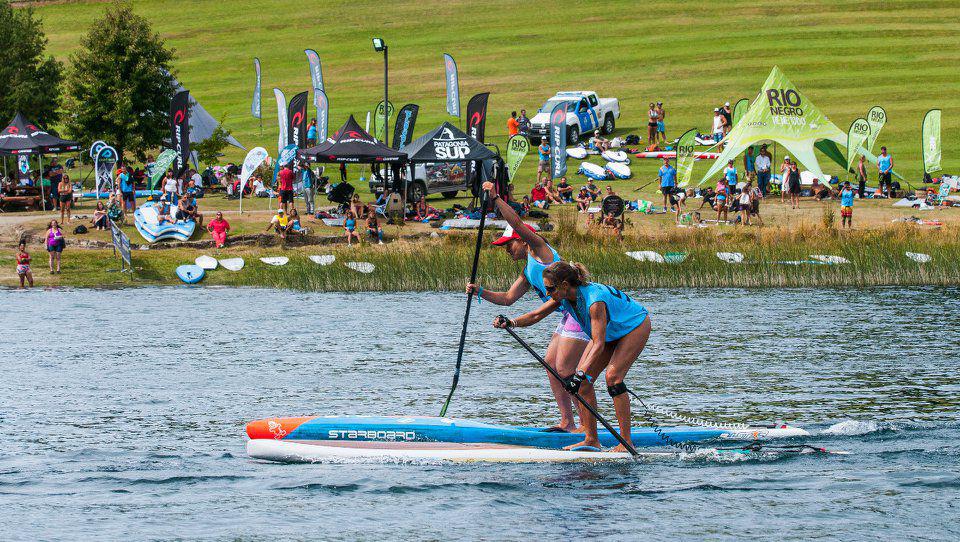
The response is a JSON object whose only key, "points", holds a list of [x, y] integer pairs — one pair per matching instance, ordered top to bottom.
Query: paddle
{"points": [[466, 316], [553, 372]]}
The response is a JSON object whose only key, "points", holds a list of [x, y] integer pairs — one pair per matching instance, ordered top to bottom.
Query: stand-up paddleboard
{"points": [[577, 152], [673, 154], [615, 156], [618, 170], [592, 171], [138, 194], [147, 221], [646, 256], [730, 257], [918, 257], [826, 258], [323, 259], [275, 260], [207, 262], [232, 264], [361, 267], [191, 274], [394, 437]]}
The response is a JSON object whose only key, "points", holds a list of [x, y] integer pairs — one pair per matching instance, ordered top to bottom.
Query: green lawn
{"points": [[845, 56]]}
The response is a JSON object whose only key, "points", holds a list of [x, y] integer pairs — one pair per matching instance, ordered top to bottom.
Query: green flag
{"points": [[740, 109], [877, 117], [378, 125], [858, 134], [930, 141], [517, 148], [686, 150], [160, 166]]}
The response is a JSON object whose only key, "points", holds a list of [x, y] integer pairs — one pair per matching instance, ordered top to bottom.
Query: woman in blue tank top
{"points": [[521, 243], [618, 328]]}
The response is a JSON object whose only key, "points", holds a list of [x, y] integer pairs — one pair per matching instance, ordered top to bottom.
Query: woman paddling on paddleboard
{"points": [[522, 243], [618, 327]]}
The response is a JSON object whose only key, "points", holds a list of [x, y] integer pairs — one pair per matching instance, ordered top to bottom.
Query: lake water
{"points": [[124, 413]]}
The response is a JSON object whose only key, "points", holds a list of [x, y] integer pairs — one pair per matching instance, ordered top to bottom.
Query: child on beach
{"points": [[846, 205], [23, 265]]}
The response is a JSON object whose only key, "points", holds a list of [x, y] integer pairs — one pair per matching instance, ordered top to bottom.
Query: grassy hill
{"points": [[845, 56]]}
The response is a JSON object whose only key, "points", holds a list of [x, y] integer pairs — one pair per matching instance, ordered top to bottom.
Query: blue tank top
{"points": [[883, 162], [534, 273], [623, 313]]}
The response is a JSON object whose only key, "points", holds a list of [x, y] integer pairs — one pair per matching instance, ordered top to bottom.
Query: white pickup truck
{"points": [[585, 113]]}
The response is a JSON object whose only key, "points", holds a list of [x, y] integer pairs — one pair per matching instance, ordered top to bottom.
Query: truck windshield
{"points": [[551, 103]]}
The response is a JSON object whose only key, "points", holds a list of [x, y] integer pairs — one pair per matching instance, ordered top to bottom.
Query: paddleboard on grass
{"points": [[577, 152], [615, 156], [618, 170], [592, 171], [646, 256], [675, 257], [730, 257], [918, 257], [826, 258], [323, 259], [275, 260], [206, 262], [232, 264], [361, 267], [191, 274]]}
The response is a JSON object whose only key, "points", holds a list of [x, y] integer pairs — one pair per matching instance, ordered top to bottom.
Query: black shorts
{"points": [[885, 178], [129, 196], [286, 196], [66, 198]]}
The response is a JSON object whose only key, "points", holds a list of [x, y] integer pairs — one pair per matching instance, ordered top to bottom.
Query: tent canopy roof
{"points": [[202, 124], [24, 137], [447, 143], [353, 145]]}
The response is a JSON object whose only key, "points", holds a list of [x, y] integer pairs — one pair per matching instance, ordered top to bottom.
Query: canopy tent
{"points": [[782, 114], [202, 124], [22, 137], [447, 143], [353, 145]]}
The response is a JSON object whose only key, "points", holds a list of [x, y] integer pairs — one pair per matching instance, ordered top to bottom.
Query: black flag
{"points": [[477, 116], [297, 117], [403, 129], [180, 130]]}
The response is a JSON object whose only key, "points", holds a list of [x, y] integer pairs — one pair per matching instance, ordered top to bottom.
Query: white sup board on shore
{"points": [[577, 152], [646, 256], [730, 257], [918, 257], [826, 258], [323, 259], [275, 260], [206, 262], [232, 264], [361, 267]]}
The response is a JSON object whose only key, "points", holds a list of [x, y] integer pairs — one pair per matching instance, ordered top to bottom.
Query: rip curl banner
{"points": [[316, 73], [453, 85], [255, 105], [323, 112], [297, 115], [477, 116], [877, 117], [281, 118], [403, 129], [180, 131], [857, 136], [558, 140], [930, 141], [517, 148], [686, 154]]}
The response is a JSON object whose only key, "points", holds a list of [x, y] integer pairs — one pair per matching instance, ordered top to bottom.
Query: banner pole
{"points": [[43, 198]]}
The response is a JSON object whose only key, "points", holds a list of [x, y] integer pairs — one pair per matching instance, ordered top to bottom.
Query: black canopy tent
{"points": [[22, 137], [447, 143], [353, 145]]}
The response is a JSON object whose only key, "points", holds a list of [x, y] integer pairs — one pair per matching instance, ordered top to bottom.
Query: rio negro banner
{"points": [[316, 74], [453, 85], [255, 105], [739, 110], [323, 112], [297, 115], [477, 116], [877, 117], [281, 118], [379, 124], [403, 129], [180, 130], [857, 136], [558, 140], [930, 141], [517, 149], [686, 153], [160, 166]]}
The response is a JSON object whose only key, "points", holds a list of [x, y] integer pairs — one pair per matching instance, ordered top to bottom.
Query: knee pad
{"points": [[617, 389]]}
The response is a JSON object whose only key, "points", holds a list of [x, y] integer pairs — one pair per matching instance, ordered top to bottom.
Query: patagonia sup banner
{"points": [[316, 74], [453, 85], [255, 104], [740, 109], [323, 112], [477, 116], [297, 117], [877, 117], [281, 118], [379, 126], [403, 129], [180, 131], [857, 137], [558, 141], [930, 141], [517, 148], [686, 153], [103, 164], [160, 166]]}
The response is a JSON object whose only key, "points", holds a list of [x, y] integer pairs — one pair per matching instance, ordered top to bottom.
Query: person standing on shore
{"points": [[523, 123], [513, 125], [652, 125], [661, 126], [717, 126], [312, 133], [543, 154], [749, 165], [762, 165], [885, 170], [862, 177], [307, 178], [668, 181], [784, 181], [285, 184], [793, 185], [65, 197], [846, 205], [55, 245], [23, 264], [568, 341]]}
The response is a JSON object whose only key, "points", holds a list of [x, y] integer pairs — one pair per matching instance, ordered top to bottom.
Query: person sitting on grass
{"points": [[599, 143], [593, 190], [820, 190], [565, 191], [553, 195], [538, 197], [709, 198], [583, 200], [846, 205], [357, 206], [163, 209], [187, 210], [100, 220], [279, 223], [614, 224], [293, 225], [218, 228], [350, 228], [374, 230], [23, 264]]}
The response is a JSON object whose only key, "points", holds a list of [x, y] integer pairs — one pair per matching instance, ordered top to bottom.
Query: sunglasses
{"points": [[550, 289]]}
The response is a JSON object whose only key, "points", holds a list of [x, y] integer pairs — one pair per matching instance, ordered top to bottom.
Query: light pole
{"points": [[380, 45]]}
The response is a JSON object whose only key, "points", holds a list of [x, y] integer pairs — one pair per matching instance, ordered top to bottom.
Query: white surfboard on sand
{"points": [[577, 152], [646, 256], [730, 257], [918, 257], [826, 258], [323, 259], [275, 260], [206, 262], [232, 264], [361, 267]]}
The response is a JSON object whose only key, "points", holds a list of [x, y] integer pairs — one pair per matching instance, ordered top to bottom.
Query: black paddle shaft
{"points": [[466, 316], [553, 372]]}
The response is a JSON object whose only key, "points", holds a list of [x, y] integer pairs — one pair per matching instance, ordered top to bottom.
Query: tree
{"points": [[29, 83], [120, 86], [209, 150]]}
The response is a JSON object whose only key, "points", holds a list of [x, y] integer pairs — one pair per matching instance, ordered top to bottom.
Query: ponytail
{"points": [[573, 273]]}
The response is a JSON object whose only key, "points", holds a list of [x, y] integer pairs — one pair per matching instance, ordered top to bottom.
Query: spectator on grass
{"points": [[727, 117], [523, 122], [513, 125], [652, 125], [717, 125], [661, 126], [312, 133], [599, 143], [543, 155], [762, 164], [749, 165], [885, 170], [53, 173], [730, 174], [862, 177], [196, 178], [784, 178], [308, 180], [668, 181], [285, 183], [793, 185], [593, 189], [128, 190], [565, 191], [610, 191], [553, 195], [538, 196], [756, 196], [65, 197], [709, 198], [677, 199], [721, 199], [583, 200], [746, 204], [846, 205], [187, 210], [100, 221], [279, 223], [614, 224], [294, 225], [218, 228], [350, 228], [374, 230], [55, 245], [23, 264]]}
